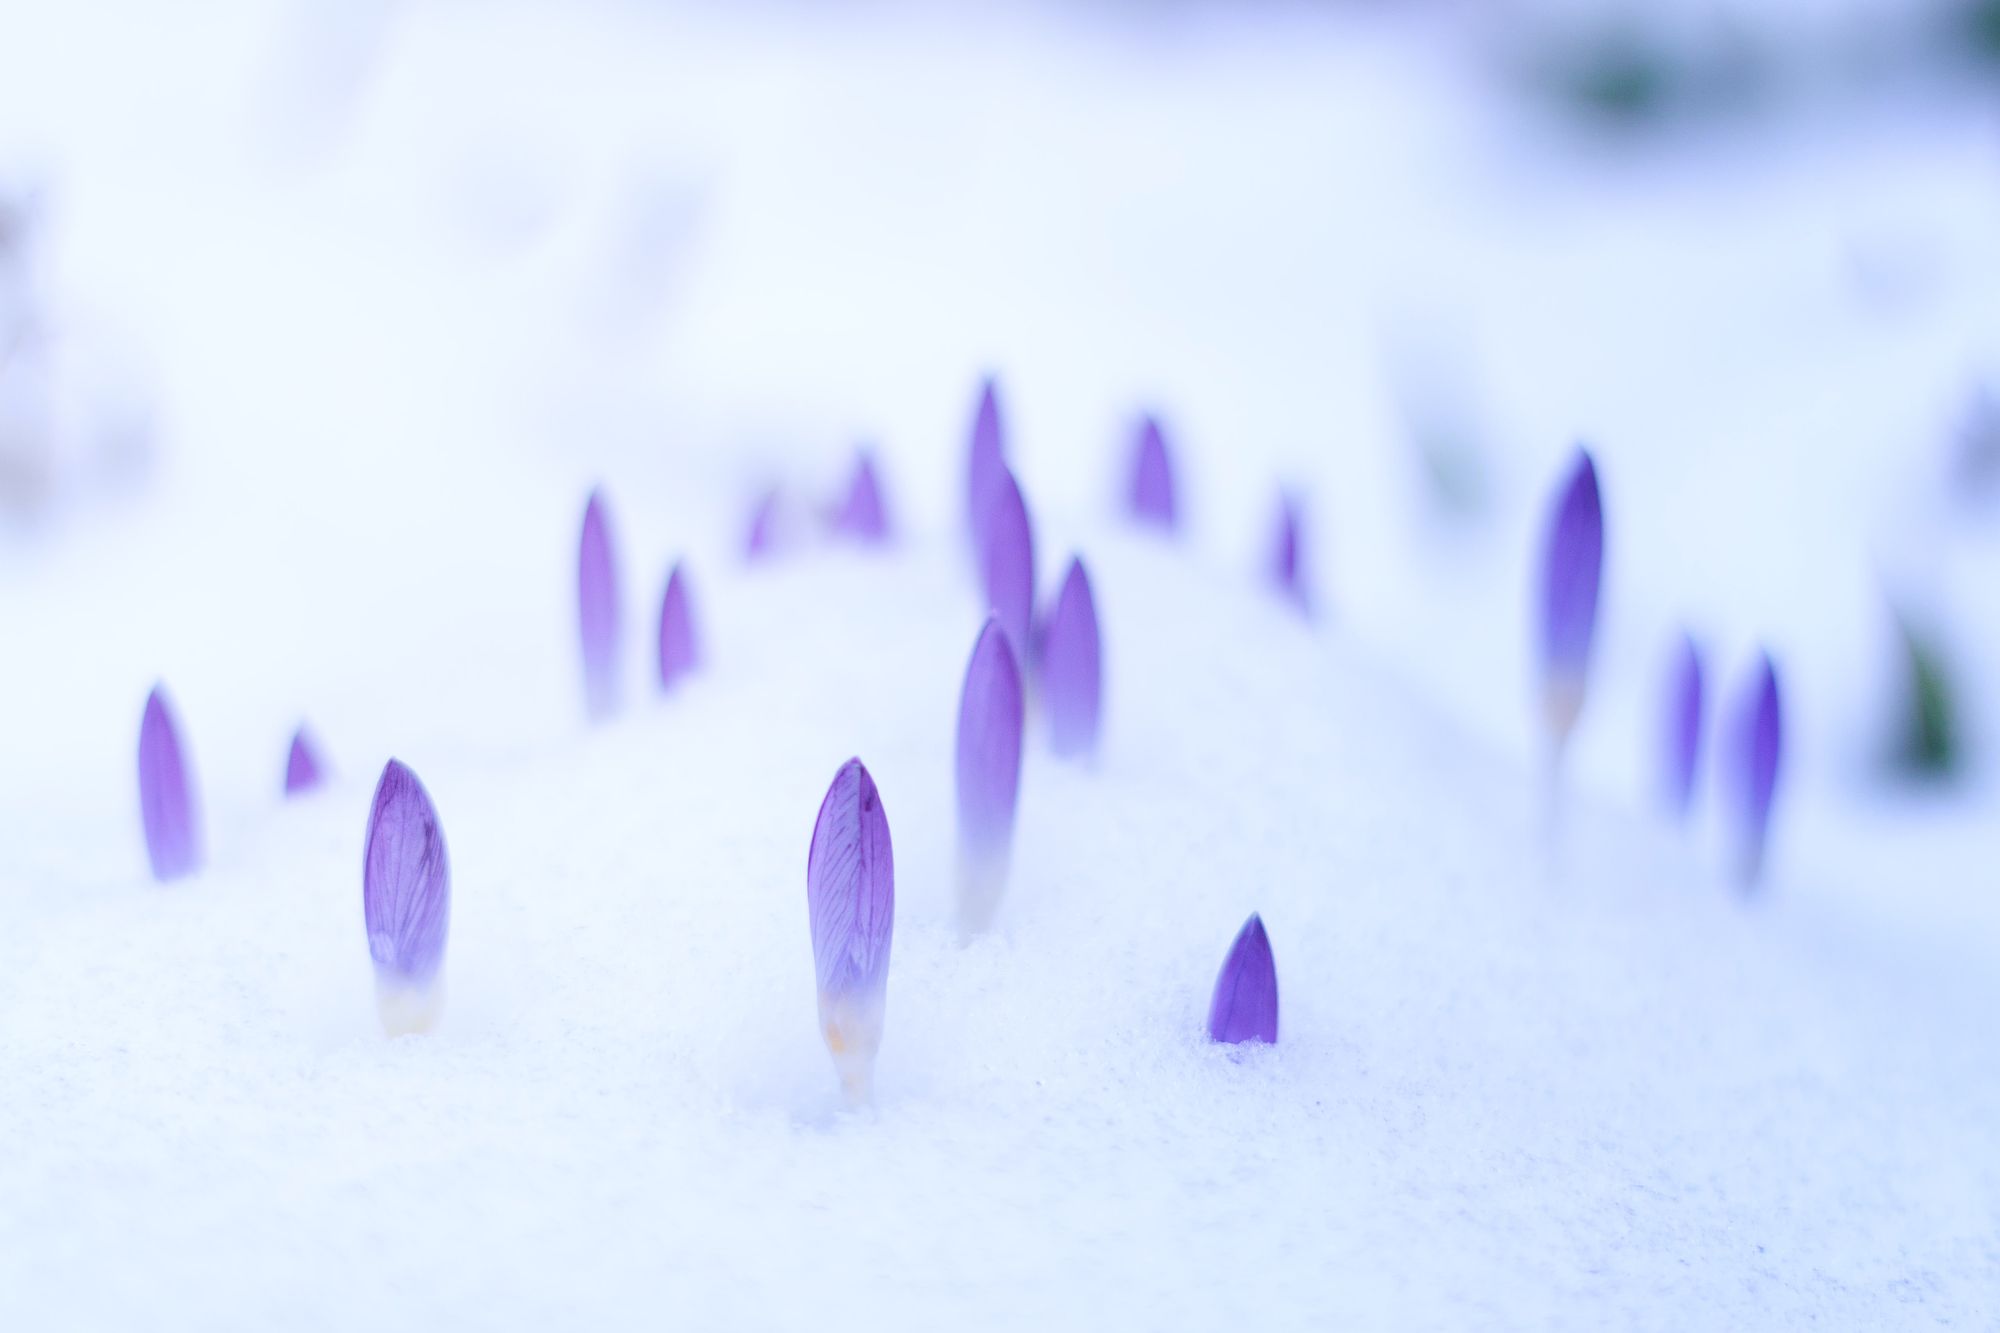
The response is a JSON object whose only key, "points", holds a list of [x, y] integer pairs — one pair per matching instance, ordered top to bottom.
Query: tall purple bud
{"points": [[987, 460], [1152, 477], [862, 515], [1572, 562], [1009, 570], [1287, 576], [597, 610], [679, 652], [1072, 674], [1759, 744], [1682, 747], [303, 770], [989, 776], [166, 793], [851, 899], [405, 901], [1245, 1007]]}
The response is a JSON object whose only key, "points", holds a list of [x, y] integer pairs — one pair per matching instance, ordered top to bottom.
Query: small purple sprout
{"points": [[987, 460], [1152, 477], [862, 515], [763, 534], [1572, 562], [1009, 571], [1287, 576], [597, 611], [679, 652], [1072, 674], [1683, 727], [1759, 744], [303, 770], [989, 775], [166, 793], [851, 900], [405, 901], [1245, 1007]]}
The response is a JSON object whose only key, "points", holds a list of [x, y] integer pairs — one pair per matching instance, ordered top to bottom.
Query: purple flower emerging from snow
{"points": [[987, 461], [1152, 477], [862, 514], [1572, 562], [1009, 570], [1286, 575], [597, 610], [679, 653], [1072, 675], [1683, 726], [1759, 744], [303, 770], [989, 775], [166, 793], [851, 898], [405, 900], [1245, 1007]]}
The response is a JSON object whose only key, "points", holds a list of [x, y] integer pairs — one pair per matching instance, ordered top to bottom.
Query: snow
{"points": [[392, 332]]}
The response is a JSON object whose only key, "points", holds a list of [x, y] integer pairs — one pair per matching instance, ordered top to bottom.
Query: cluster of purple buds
{"points": [[406, 901], [851, 903]]}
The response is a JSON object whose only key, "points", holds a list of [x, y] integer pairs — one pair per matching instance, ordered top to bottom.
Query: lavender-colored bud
{"points": [[987, 460], [1152, 477], [862, 515], [763, 535], [1010, 562], [1572, 562], [1286, 574], [597, 610], [679, 652], [1072, 675], [1683, 727], [1759, 744], [303, 770], [989, 775], [166, 793], [851, 899], [405, 900], [1245, 1007]]}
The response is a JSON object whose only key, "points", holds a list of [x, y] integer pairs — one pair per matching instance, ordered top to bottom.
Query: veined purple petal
{"points": [[987, 459], [1152, 477], [862, 514], [763, 534], [1010, 561], [1572, 562], [1286, 573], [597, 610], [679, 652], [1072, 675], [1683, 726], [1759, 743], [303, 769], [989, 774], [166, 793], [405, 889], [851, 900], [1245, 1007]]}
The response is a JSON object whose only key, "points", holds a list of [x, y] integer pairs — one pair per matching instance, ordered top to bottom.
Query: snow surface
{"points": [[398, 310]]}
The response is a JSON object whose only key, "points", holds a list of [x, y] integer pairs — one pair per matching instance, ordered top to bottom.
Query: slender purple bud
{"points": [[988, 459], [1152, 477], [862, 514], [763, 527], [1572, 562], [1009, 569], [1286, 575], [597, 610], [679, 653], [1072, 675], [1683, 727], [1759, 744], [303, 770], [989, 775], [166, 793], [851, 898], [405, 900], [1245, 1007]]}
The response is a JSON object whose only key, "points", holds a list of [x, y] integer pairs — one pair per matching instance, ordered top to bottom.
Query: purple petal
{"points": [[987, 460], [1152, 477], [862, 514], [763, 527], [1572, 563], [1009, 568], [1286, 575], [597, 610], [679, 653], [1072, 676], [1683, 726], [1759, 743], [303, 769], [989, 773], [166, 794], [405, 882], [851, 900], [1245, 1007]]}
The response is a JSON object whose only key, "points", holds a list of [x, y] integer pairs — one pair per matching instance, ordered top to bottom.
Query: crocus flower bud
{"points": [[985, 461], [1152, 494], [862, 515], [763, 535], [1572, 562], [1010, 563], [1287, 576], [597, 611], [679, 652], [1072, 676], [1758, 742], [1682, 747], [303, 770], [989, 776], [166, 794], [851, 899], [406, 901], [1245, 1007]]}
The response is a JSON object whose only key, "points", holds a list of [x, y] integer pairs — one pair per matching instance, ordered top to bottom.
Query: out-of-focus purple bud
{"points": [[988, 459], [1152, 477], [862, 515], [763, 535], [1010, 562], [1572, 562], [1287, 575], [597, 610], [679, 652], [1072, 675], [1683, 727], [1759, 744], [303, 770], [989, 775], [166, 793], [851, 899], [405, 900], [1245, 1007]]}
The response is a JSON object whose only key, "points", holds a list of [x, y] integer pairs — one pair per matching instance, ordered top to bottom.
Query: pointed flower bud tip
{"points": [[986, 460], [1152, 495], [862, 515], [1572, 562], [1286, 574], [597, 610], [679, 651], [1072, 674], [1683, 727], [1759, 745], [303, 770], [989, 774], [166, 793], [405, 899], [851, 901], [1245, 1007]]}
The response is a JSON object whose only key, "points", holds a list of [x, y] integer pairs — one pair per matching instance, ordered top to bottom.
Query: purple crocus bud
{"points": [[988, 459], [1152, 477], [862, 514], [763, 535], [1572, 562], [1009, 570], [1286, 575], [597, 611], [679, 653], [1072, 675], [1683, 726], [1759, 744], [303, 769], [989, 775], [166, 793], [851, 898], [405, 901], [1245, 1007]]}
